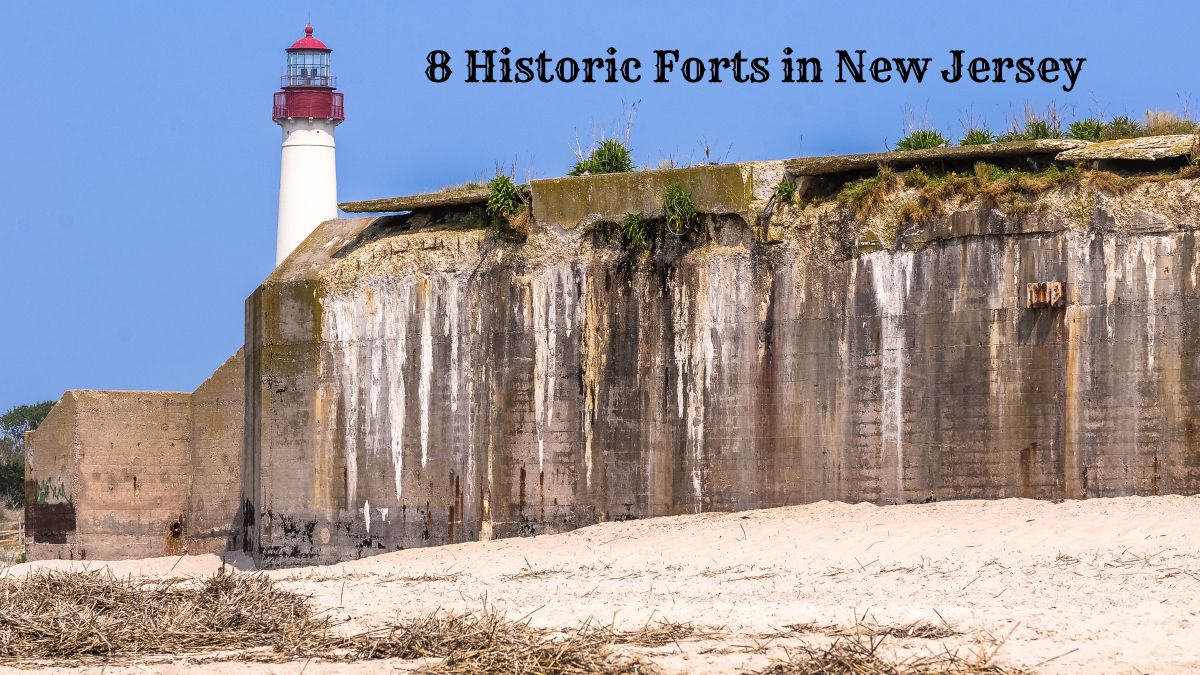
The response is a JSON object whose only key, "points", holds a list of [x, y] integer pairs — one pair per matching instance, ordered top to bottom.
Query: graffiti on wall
{"points": [[51, 491], [49, 513]]}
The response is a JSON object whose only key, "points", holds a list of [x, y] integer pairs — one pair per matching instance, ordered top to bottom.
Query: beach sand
{"points": [[1095, 586]]}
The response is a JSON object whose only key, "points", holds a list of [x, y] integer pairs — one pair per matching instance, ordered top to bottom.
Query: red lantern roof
{"points": [[309, 42]]}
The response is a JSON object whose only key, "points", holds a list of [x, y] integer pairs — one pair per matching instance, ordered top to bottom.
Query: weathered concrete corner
{"points": [[569, 202], [326, 242]]}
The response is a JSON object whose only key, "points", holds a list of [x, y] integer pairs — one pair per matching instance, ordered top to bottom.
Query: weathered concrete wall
{"points": [[570, 202], [412, 384], [135, 458], [124, 460], [286, 470], [127, 474], [51, 475], [214, 494]]}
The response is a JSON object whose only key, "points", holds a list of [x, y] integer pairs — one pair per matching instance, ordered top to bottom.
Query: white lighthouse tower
{"points": [[308, 109]]}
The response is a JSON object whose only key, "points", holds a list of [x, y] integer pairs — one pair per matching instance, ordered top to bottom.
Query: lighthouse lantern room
{"points": [[308, 109]]}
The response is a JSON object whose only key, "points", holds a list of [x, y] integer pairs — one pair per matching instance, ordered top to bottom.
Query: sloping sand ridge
{"points": [[1103, 585]]}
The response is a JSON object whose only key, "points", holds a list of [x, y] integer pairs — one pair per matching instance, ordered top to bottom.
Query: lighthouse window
{"points": [[308, 68]]}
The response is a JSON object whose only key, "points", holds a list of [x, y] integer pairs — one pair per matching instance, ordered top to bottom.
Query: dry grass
{"points": [[1162, 123], [1107, 181], [1112, 183], [470, 186], [1009, 190], [868, 194], [874, 195], [915, 196], [887, 203], [521, 221], [530, 572], [426, 578], [70, 616], [51, 618], [60, 618], [917, 629], [660, 634], [481, 643], [864, 649], [863, 656]]}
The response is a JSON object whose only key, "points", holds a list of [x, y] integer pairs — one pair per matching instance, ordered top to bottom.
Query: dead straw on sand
{"points": [[71, 615], [56, 617], [52, 618], [917, 629], [659, 634], [484, 643], [860, 650], [862, 656]]}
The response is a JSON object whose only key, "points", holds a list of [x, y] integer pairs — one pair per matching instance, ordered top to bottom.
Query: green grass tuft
{"points": [[1122, 127], [1035, 129], [1086, 130], [978, 137], [922, 139], [611, 156], [916, 177], [785, 192], [504, 197], [680, 209], [635, 231]]}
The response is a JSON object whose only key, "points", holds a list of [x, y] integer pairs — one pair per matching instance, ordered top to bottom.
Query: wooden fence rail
{"points": [[12, 533]]}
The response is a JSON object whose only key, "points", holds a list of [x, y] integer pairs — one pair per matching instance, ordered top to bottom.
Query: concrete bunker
{"points": [[415, 380], [117, 474]]}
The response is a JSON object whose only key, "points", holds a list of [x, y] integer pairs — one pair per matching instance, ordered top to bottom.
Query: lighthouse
{"points": [[308, 109]]}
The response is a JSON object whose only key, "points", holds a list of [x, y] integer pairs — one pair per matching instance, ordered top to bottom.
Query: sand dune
{"points": [[1104, 585]]}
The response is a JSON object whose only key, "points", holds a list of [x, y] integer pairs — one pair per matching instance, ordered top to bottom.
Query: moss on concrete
{"points": [[568, 202]]}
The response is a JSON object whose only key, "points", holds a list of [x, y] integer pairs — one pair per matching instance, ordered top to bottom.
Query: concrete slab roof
{"points": [[1148, 148], [816, 166], [428, 200]]}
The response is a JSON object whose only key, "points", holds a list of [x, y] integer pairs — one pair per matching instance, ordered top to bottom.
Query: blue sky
{"points": [[140, 175]]}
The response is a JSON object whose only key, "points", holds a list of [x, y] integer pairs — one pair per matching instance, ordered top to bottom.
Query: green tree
{"points": [[13, 425]]}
